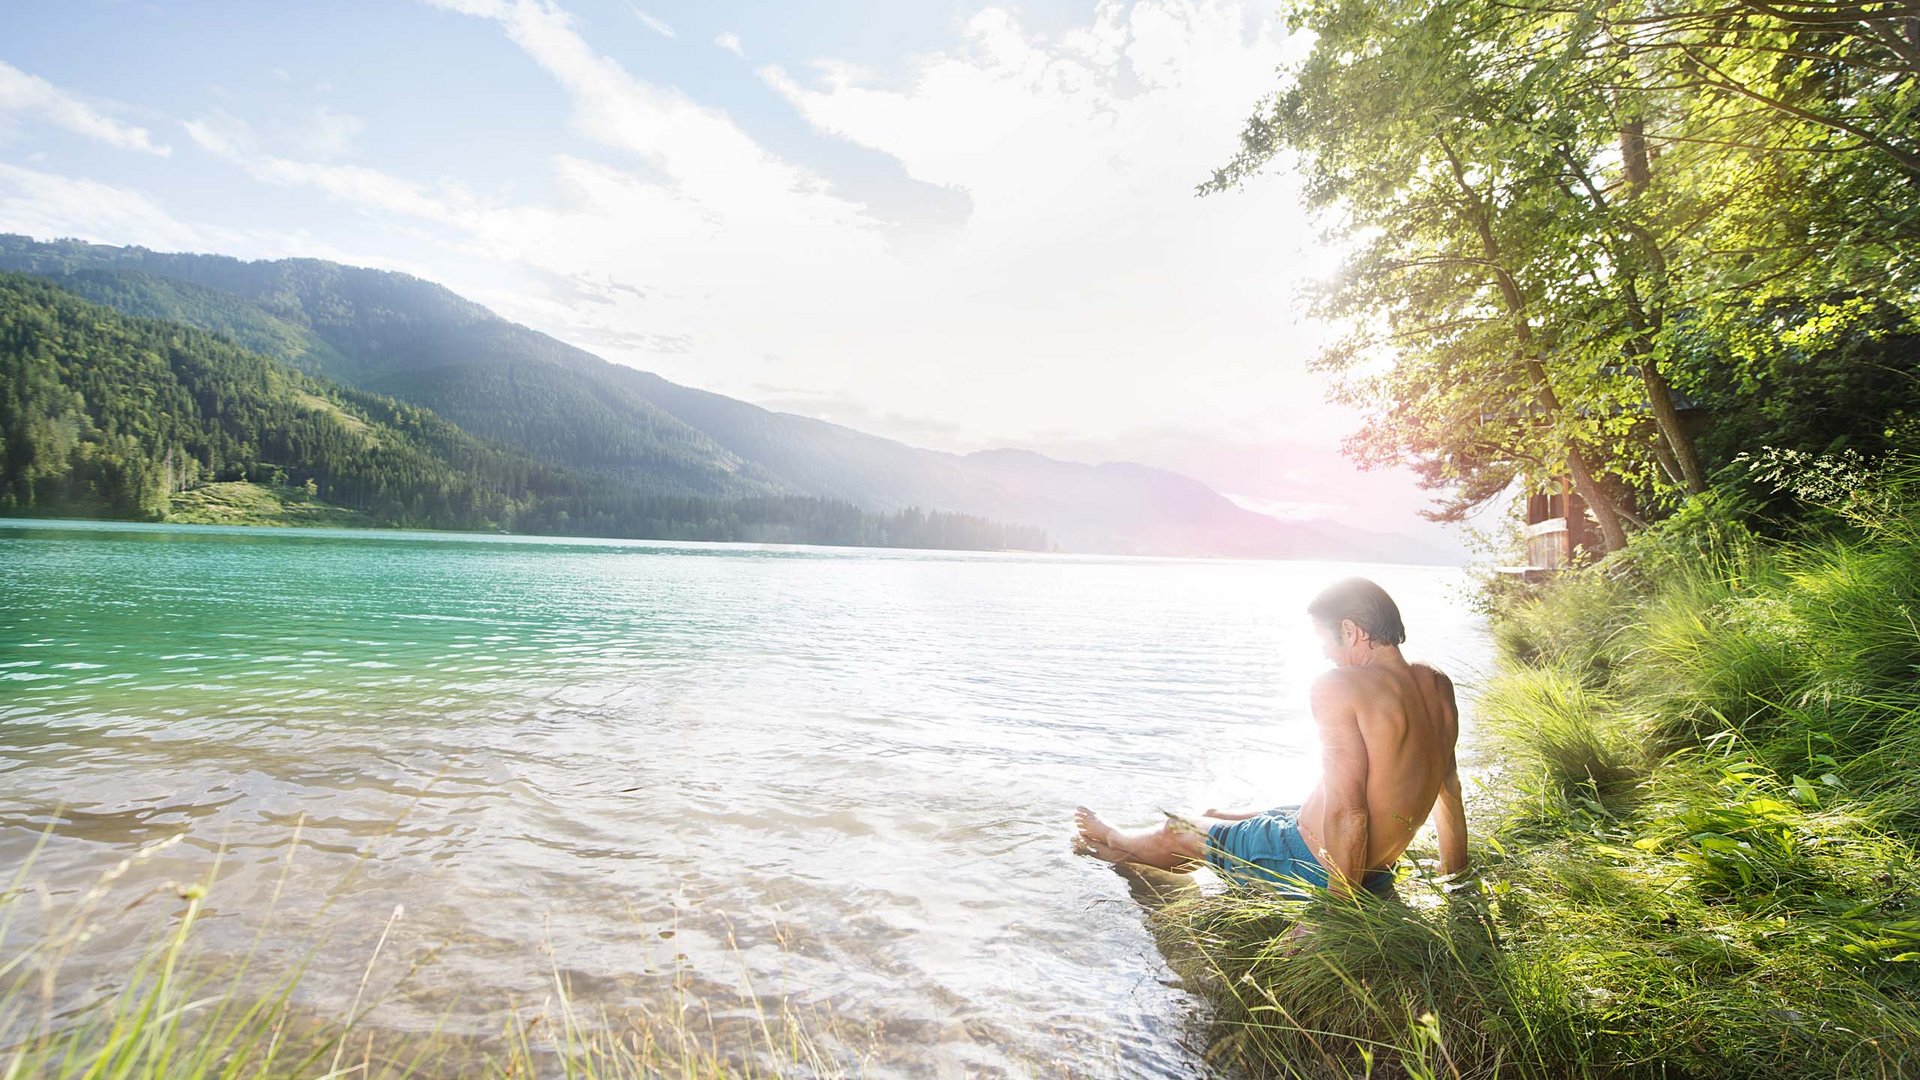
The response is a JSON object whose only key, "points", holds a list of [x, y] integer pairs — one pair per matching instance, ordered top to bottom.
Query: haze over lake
{"points": [[840, 777]]}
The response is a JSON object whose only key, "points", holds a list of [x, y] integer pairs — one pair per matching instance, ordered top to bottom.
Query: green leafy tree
{"points": [[1562, 219]]}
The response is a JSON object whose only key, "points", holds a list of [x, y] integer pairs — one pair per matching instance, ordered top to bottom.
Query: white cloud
{"points": [[655, 23], [730, 41], [29, 95], [326, 132], [226, 136], [700, 151], [48, 205], [754, 247], [1090, 286], [1088, 295]]}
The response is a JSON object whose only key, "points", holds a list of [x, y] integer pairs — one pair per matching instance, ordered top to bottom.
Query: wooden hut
{"points": [[1558, 527]]}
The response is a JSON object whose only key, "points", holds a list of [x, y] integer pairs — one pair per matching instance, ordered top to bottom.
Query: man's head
{"points": [[1354, 617]]}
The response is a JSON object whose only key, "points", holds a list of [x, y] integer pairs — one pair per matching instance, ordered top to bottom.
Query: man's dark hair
{"points": [[1367, 604]]}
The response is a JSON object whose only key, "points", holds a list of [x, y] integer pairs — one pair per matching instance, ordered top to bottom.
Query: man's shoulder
{"points": [[1440, 679], [1339, 680], [1351, 683], [1443, 694]]}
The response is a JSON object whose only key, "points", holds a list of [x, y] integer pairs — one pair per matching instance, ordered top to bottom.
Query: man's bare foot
{"points": [[1095, 836], [1168, 846]]}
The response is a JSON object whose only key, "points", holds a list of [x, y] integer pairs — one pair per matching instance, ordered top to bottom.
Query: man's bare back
{"points": [[1387, 731], [1387, 735]]}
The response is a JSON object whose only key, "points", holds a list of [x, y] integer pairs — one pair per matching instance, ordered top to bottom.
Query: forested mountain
{"points": [[151, 296], [399, 336], [411, 339], [108, 415]]}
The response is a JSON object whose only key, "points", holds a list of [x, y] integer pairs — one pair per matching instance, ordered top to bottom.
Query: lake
{"points": [[719, 776]]}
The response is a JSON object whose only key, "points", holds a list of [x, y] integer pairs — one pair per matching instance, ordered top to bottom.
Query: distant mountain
{"points": [[150, 296], [396, 335], [108, 415], [1115, 507]]}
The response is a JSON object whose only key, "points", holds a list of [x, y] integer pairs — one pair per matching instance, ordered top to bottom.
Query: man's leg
{"points": [[1172, 846]]}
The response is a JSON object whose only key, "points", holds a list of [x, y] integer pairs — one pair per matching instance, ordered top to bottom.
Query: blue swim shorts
{"points": [[1268, 850]]}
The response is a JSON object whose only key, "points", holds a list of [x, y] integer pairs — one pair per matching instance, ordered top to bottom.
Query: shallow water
{"points": [[835, 778]]}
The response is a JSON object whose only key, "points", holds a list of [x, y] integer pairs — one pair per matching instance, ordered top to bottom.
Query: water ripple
{"points": [[842, 776]]}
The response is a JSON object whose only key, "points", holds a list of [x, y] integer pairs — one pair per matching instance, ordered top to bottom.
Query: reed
{"points": [[180, 1014]]}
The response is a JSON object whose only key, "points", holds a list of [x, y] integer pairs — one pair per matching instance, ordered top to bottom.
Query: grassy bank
{"points": [[239, 502], [1696, 843]]}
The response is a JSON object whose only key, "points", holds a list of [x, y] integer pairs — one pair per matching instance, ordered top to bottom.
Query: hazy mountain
{"points": [[397, 335], [108, 415]]}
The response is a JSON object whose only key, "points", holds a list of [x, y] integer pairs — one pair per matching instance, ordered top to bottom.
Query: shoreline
{"points": [[564, 539], [1693, 856]]}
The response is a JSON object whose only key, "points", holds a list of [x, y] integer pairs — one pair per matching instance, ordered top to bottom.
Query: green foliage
{"points": [[1566, 224], [1811, 377]]}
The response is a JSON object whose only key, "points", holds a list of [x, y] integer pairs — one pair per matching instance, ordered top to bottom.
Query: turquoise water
{"points": [[726, 774]]}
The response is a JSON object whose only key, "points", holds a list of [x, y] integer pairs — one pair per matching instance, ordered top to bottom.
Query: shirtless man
{"points": [[1387, 731]]}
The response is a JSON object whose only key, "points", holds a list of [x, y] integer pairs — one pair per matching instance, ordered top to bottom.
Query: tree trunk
{"points": [[1633, 154], [1639, 172], [1660, 397], [1669, 468], [1613, 534]]}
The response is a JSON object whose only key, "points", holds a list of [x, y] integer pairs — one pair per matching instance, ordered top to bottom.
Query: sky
{"points": [[963, 225]]}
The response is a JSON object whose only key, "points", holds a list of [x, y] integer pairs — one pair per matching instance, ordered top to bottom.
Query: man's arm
{"points": [[1343, 785], [1449, 810], [1230, 815], [1450, 824]]}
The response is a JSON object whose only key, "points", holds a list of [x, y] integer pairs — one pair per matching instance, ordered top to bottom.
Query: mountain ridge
{"points": [[405, 337], [104, 414]]}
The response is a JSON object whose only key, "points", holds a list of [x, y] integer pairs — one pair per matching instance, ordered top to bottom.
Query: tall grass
{"points": [[1697, 839], [181, 1015]]}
